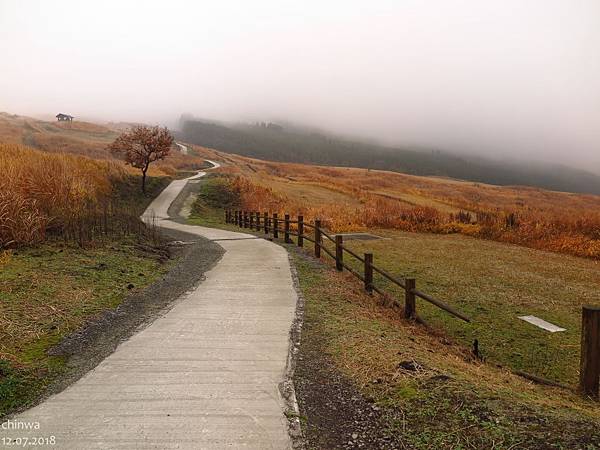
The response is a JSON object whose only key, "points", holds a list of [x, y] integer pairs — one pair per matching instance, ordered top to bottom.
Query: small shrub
{"points": [[218, 193]]}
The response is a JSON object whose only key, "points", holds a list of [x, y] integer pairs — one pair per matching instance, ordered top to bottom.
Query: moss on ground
{"points": [[50, 291]]}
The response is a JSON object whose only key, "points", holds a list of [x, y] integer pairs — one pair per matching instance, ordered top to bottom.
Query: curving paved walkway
{"points": [[203, 376]]}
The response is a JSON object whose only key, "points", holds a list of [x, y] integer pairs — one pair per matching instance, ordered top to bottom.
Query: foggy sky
{"points": [[504, 78]]}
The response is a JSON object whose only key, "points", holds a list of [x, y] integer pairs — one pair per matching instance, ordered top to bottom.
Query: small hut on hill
{"points": [[64, 117]]}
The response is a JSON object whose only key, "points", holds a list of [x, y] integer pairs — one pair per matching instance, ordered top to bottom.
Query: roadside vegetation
{"points": [[67, 197], [212, 199], [72, 248], [493, 284], [51, 290], [430, 392]]}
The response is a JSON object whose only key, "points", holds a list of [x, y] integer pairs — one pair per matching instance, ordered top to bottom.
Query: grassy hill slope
{"points": [[81, 138], [85, 139], [296, 145], [354, 199]]}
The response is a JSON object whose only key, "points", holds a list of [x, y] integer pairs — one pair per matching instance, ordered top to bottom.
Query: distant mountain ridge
{"points": [[286, 144]]}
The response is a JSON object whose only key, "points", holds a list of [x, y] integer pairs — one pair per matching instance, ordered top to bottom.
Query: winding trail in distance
{"points": [[182, 148], [205, 375]]}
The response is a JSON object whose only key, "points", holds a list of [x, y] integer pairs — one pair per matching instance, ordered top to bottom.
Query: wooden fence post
{"points": [[239, 219], [245, 219], [251, 220], [257, 221], [266, 222], [275, 226], [286, 227], [300, 231], [317, 238], [339, 252], [369, 272], [409, 298], [589, 378]]}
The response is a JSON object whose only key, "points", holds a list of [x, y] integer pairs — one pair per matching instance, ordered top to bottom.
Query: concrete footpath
{"points": [[205, 375]]}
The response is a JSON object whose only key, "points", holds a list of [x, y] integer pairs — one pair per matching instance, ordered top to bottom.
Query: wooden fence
{"points": [[272, 225]]}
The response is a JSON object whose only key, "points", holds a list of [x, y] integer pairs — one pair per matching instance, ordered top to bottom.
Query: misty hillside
{"points": [[273, 142]]}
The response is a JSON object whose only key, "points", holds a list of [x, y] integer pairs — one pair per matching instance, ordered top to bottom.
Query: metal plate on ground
{"points": [[359, 236], [542, 324]]}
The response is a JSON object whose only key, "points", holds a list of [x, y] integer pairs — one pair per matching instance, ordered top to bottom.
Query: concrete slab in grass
{"points": [[541, 323]]}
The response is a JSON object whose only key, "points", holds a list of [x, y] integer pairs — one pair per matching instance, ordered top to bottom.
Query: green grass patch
{"points": [[127, 192], [213, 198], [494, 283], [432, 392]]}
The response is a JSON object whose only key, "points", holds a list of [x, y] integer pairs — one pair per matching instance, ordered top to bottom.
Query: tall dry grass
{"points": [[176, 161], [44, 192], [566, 230]]}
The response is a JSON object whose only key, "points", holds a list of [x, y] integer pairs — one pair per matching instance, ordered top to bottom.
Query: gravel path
{"points": [[206, 374]]}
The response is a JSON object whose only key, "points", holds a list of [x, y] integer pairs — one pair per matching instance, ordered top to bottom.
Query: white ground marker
{"points": [[542, 323]]}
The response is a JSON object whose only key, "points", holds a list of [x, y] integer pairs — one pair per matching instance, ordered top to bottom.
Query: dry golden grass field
{"points": [[81, 138], [56, 175], [352, 199]]}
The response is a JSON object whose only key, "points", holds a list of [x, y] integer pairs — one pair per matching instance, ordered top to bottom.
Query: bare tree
{"points": [[141, 146]]}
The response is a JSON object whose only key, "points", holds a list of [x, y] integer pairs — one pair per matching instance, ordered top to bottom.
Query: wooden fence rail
{"points": [[271, 225], [590, 342]]}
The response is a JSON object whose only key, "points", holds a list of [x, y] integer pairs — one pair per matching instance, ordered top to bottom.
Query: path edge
{"points": [[286, 387]]}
